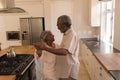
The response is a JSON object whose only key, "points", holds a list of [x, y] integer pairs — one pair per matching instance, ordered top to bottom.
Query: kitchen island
{"points": [[19, 50], [101, 59]]}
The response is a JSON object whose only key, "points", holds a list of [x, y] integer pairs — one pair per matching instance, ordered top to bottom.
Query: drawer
{"points": [[101, 72]]}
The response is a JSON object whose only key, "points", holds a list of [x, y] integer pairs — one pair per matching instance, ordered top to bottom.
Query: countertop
{"points": [[99, 46], [18, 50], [106, 55], [109, 61], [9, 77]]}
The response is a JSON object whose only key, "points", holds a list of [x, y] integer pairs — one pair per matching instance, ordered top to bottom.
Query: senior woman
{"points": [[48, 58]]}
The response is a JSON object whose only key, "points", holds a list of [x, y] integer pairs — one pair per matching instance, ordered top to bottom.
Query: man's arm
{"points": [[43, 46], [59, 51]]}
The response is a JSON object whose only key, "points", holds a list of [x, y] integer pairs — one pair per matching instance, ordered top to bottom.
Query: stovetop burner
{"points": [[9, 66]]}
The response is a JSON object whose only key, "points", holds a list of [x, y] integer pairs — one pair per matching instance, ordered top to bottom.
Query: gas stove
{"points": [[16, 65]]}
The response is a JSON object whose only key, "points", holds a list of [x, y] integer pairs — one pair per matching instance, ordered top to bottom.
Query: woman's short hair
{"points": [[64, 19], [44, 34]]}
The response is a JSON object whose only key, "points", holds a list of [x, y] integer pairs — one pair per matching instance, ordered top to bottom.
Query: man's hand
{"points": [[40, 45]]}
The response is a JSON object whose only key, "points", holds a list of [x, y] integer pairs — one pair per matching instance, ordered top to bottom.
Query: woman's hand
{"points": [[36, 56]]}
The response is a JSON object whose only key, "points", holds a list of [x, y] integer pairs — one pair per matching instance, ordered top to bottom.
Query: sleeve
{"points": [[36, 56], [42, 57]]}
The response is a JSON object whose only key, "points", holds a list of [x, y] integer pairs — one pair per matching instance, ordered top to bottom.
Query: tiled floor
{"points": [[83, 75]]}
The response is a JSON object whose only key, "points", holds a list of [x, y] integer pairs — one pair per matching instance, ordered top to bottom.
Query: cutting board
{"points": [[109, 61]]}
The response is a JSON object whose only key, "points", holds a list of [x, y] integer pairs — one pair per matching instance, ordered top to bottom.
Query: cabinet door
{"points": [[94, 13], [81, 51], [87, 59], [95, 69], [100, 72], [106, 75]]}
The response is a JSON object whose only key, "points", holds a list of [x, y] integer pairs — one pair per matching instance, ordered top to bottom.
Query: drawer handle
{"points": [[100, 68], [100, 74]]}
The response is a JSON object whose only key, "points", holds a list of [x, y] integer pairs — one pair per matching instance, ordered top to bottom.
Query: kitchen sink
{"points": [[93, 42]]}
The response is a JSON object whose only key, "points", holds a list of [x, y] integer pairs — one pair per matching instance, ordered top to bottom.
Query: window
{"points": [[107, 21]]}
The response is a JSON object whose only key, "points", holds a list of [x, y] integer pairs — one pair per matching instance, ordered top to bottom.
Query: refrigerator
{"points": [[31, 29]]}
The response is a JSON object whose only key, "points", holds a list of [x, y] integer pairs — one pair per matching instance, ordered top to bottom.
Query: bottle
{"points": [[39, 52]]}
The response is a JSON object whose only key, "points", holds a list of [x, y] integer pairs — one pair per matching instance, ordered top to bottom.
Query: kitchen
{"points": [[51, 9], [50, 12]]}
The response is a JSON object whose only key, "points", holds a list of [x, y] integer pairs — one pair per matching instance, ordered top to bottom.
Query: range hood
{"points": [[105, 0], [8, 6]]}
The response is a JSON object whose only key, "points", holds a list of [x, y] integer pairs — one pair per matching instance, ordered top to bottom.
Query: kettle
{"points": [[11, 53]]}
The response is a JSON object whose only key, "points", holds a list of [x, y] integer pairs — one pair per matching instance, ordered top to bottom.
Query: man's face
{"points": [[61, 27]]}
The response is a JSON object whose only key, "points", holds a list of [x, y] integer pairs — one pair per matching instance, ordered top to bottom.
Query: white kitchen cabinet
{"points": [[94, 12], [116, 25], [86, 56], [95, 69], [100, 72]]}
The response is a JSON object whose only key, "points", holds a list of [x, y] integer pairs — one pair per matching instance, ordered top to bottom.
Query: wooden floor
{"points": [[83, 74]]}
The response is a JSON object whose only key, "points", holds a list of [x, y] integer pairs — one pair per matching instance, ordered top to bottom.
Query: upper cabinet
{"points": [[94, 13], [117, 25]]}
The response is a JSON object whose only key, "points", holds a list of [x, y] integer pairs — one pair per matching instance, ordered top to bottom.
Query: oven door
{"points": [[30, 73]]}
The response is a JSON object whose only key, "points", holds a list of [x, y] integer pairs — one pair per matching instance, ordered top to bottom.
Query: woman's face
{"points": [[50, 37]]}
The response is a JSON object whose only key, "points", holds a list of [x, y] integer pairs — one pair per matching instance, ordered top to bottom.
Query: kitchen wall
{"points": [[78, 10], [81, 19], [10, 21], [2, 31]]}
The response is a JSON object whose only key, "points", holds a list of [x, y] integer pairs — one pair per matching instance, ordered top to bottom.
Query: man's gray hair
{"points": [[64, 19]]}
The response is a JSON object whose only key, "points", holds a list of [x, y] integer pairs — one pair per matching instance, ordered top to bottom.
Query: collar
{"points": [[68, 31]]}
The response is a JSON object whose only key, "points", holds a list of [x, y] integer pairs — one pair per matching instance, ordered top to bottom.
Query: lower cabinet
{"points": [[95, 69], [99, 72]]}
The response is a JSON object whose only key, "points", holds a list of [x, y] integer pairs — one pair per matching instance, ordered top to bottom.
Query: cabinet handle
{"points": [[87, 63], [100, 68], [100, 74]]}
